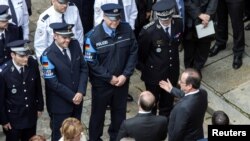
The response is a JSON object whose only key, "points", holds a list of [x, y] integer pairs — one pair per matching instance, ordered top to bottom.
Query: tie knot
{"points": [[113, 34], [64, 51], [21, 70]]}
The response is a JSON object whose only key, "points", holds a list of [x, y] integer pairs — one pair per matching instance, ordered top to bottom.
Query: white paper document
{"points": [[205, 31]]}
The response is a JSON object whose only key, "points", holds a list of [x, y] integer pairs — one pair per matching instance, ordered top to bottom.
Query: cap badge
{"points": [[115, 10]]}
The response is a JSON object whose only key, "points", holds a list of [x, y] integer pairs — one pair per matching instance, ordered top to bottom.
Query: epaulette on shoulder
{"points": [[71, 3], [177, 16], [45, 17], [148, 25], [33, 57], [3, 67]]}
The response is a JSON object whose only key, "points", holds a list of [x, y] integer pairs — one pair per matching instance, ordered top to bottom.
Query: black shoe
{"points": [[246, 18], [247, 27], [216, 49], [237, 62], [130, 98]]}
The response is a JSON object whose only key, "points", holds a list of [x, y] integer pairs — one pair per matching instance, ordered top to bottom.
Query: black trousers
{"points": [[235, 11], [195, 50], [102, 96], [163, 100], [20, 134]]}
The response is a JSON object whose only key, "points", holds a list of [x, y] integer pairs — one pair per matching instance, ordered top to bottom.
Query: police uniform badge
{"points": [[159, 44], [90, 52], [48, 68], [14, 91]]}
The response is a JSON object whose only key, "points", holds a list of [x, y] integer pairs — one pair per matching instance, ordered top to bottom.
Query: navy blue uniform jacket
{"points": [[114, 56], [69, 78], [20, 99]]}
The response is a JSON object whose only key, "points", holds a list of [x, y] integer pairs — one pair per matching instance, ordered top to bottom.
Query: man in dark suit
{"points": [[235, 9], [7, 33], [196, 50], [159, 55], [66, 74], [21, 99], [186, 118], [145, 126]]}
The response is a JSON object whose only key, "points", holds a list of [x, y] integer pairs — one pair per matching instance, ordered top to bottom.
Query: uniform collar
{"points": [[58, 14], [107, 29], [60, 48], [16, 66], [191, 93]]}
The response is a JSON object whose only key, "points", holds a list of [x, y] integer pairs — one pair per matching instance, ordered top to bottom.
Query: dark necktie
{"points": [[122, 11], [13, 13], [63, 19], [167, 33], [113, 34], [2, 38], [66, 55], [22, 72]]}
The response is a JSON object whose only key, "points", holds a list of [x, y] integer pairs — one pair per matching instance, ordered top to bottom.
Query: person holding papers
{"points": [[196, 49]]}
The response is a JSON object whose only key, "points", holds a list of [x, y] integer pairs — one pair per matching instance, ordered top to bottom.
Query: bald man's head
{"points": [[146, 101]]}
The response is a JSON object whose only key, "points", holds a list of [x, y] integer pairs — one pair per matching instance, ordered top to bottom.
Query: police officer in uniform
{"points": [[60, 11], [128, 14], [20, 16], [7, 33], [111, 53], [159, 55], [66, 75], [21, 99]]}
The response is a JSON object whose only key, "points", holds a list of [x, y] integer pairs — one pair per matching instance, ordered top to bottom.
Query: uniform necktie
{"points": [[122, 10], [13, 13], [63, 19], [167, 33], [113, 34], [2, 38], [66, 55], [22, 72]]}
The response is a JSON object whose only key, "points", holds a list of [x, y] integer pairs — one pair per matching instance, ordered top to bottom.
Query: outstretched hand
{"points": [[166, 85]]}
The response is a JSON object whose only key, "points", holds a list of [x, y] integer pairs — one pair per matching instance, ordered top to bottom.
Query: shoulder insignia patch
{"points": [[45, 17], [148, 25], [47, 67]]}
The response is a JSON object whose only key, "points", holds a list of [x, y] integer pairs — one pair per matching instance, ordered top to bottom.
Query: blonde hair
{"points": [[71, 127], [37, 138]]}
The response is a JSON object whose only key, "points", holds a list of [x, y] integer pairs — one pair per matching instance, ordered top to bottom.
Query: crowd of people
{"points": [[103, 42]]}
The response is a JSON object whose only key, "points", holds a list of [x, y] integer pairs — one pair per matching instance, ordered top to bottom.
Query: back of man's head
{"points": [[193, 78], [146, 101], [220, 118]]}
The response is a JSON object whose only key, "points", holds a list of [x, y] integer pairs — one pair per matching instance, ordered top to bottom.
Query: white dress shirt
{"points": [[44, 34]]}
